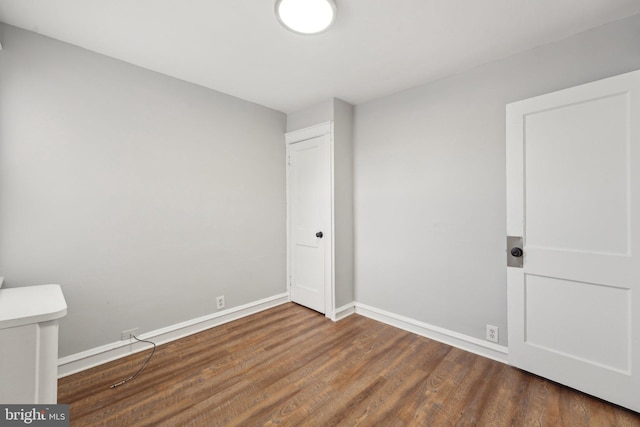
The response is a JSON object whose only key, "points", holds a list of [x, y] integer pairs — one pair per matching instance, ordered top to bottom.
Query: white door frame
{"points": [[322, 129]]}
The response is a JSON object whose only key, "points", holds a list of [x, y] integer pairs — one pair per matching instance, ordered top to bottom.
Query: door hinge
{"points": [[289, 160]]}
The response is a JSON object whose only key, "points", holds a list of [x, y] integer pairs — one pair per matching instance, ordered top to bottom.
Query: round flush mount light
{"points": [[306, 16]]}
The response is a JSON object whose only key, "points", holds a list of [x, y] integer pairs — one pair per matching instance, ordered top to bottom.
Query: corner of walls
{"points": [[340, 113], [309, 116]]}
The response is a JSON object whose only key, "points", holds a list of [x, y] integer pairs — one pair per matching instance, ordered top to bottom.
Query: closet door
{"points": [[309, 182], [573, 195]]}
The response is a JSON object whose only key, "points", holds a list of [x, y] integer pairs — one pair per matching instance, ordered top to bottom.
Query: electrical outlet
{"points": [[220, 302], [492, 333], [126, 335]]}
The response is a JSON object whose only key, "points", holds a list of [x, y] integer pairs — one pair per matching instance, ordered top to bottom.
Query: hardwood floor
{"points": [[291, 366]]}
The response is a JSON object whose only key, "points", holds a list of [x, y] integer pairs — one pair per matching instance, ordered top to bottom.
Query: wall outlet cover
{"points": [[220, 302], [492, 333], [126, 335]]}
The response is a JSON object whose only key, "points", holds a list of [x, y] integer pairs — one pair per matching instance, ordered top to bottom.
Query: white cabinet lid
{"points": [[31, 304]]}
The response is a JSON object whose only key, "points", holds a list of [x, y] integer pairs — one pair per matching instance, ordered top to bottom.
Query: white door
{"points": [[573, 194], [310, 229]]}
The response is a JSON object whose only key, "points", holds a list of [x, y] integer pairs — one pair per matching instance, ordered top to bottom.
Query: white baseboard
{"points": [[344, 311], [455, 339], [97, 356]]}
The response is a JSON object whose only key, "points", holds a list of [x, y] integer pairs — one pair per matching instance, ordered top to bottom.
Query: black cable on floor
{"points": [[118, 384]]}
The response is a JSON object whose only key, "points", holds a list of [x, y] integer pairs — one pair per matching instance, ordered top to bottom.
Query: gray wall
{"points": [[311, 115], [430, 180], [144, 196], [343, 202]]}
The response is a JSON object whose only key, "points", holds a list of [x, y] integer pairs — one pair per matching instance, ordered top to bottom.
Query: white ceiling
{"points": [[375, 48]]}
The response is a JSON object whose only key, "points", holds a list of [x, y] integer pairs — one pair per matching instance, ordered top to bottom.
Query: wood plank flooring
{"points": [[290, 366]]}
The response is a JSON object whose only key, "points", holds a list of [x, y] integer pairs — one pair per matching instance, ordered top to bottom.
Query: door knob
{"points": [[319, 234], [516, 252]]}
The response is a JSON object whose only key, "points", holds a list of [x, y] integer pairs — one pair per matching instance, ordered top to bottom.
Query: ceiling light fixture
{"points": [[306, 16]]}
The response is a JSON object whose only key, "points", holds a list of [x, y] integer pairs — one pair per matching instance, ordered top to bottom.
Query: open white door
{"points": [[573, 194], [310, 217]]}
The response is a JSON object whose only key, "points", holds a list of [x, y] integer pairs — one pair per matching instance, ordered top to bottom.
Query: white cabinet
{"points": [[29, 343]]}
